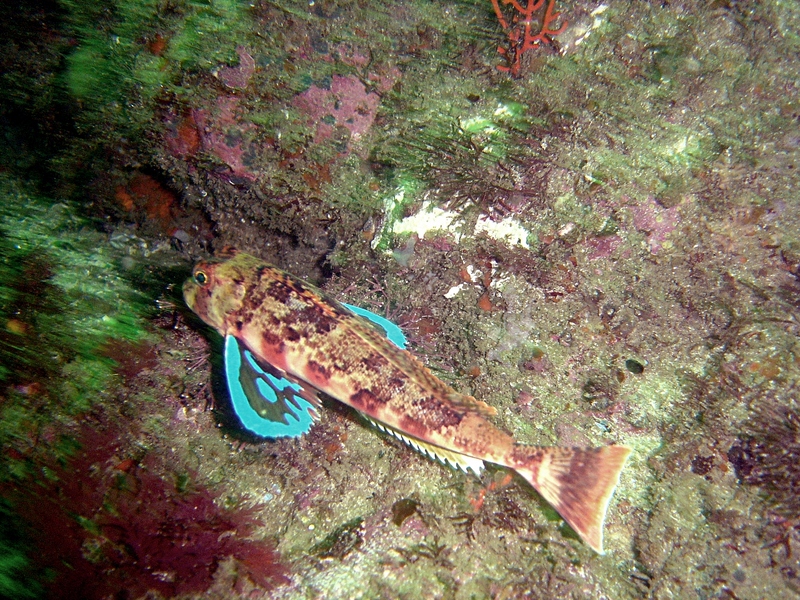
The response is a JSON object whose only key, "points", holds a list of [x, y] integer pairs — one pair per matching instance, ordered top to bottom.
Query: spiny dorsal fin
{"points": [[472, 404], [444, 456]]}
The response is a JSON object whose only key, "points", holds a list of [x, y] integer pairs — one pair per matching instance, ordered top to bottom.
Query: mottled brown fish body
{"points": [[292, 326], [312, 338]]}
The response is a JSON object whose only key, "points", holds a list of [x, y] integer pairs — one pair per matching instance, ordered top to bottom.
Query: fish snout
{"points": [[190, 293]]}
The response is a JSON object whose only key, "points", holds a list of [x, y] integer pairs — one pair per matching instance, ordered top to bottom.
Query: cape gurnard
{"points": [[294, 330]]}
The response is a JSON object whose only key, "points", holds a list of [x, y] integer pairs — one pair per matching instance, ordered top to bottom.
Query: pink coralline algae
{"points": [[351, 55], [238, 77], [346, 104], [181, 137], [227, 138], [657, 222], [603, 247]]}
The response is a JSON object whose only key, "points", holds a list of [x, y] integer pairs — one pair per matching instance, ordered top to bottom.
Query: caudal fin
{"points": [[577, 482]]}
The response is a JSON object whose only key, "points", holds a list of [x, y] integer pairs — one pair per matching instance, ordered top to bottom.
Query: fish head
{"points": [[216, 289]]}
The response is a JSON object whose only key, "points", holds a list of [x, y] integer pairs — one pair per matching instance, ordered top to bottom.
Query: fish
{"points": [[286, 342]]}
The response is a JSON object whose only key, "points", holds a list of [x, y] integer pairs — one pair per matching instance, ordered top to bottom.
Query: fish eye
{"points": [[200, 278]]}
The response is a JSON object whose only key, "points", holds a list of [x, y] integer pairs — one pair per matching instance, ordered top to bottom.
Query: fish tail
{"points": [[577, 482]]}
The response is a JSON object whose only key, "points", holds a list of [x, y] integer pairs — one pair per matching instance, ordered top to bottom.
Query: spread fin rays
{"points": [[266, 402], [444, 456], [577, 482]]}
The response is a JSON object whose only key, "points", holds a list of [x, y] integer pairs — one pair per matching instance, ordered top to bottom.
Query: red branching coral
{"points": [[521, 32]]}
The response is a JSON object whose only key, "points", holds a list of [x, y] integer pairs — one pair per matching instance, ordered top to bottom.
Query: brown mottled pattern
{"points": [[295, 327], [324, 344], [321, 372], [365, 401]]}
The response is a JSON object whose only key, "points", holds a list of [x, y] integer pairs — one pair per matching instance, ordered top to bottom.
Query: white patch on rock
{"points": [[428, 218], [508, 230], [451, 293]]}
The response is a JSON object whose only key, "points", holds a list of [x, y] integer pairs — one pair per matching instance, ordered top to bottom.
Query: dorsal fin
{"points": [[389, 329]]}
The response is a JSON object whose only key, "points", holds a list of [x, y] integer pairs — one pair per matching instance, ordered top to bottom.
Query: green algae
{"points": [[208, 33], [111, 59], [100, 66], [649, 105], [81, 304], [15, 561]]}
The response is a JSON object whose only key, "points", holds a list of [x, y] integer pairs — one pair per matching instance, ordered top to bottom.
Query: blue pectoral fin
{"points": [[391, 330], [266, 403], [271, 405]]}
